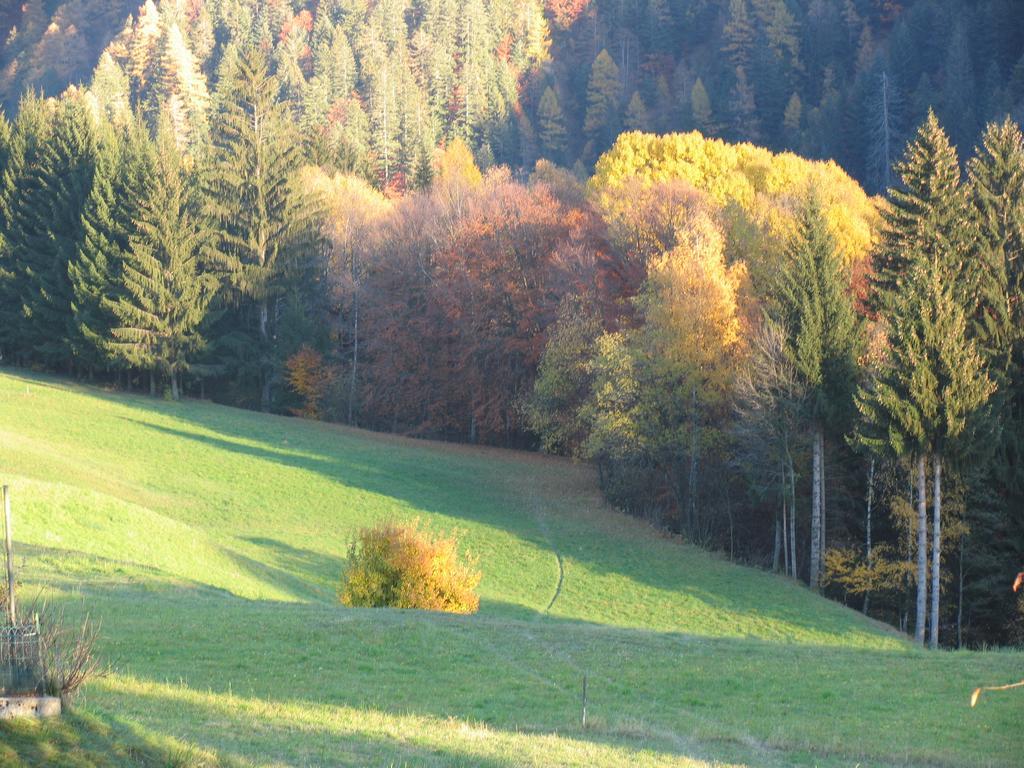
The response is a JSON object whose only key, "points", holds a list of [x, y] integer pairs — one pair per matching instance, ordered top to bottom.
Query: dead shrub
{"points": [[398, 565]]}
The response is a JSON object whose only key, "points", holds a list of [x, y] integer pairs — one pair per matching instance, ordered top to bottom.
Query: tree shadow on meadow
{"points": [[462, 484]]}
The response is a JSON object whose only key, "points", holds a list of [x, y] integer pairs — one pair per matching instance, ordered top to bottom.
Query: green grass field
{"points": [[209, 542]]}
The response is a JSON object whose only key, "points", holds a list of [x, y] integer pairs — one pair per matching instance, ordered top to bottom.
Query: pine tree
{"points": [[739, 35], [142, 47], [111, 89], [180, 91], [603, 93], [700, 107], [636, 113], [792, 120], [551, 122], [746, 125], [996, 182], [121, 183], [926, 214], [263, 219], [43, 226], [94, 272], [166, 288], [814, 305], [8, 320], [933, 382], [925, 400]]}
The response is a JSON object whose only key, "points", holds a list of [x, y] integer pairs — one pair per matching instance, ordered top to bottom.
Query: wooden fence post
{"points": [[9, 547]]}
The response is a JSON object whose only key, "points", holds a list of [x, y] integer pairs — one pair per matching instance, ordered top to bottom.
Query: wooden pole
{"points": [[9, 548]]}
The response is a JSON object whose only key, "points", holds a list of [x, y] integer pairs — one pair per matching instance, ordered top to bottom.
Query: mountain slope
{"points": [[209, 540]]}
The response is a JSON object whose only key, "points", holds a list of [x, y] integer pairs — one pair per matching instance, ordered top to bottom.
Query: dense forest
{"points": [[377, 85], [429, 218]]}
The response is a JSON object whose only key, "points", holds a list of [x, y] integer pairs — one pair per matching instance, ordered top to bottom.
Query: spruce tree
{"points": [[739, 35], [603, 93], [700, 108], [636, 113], [551, 122], [746, 125], [27, 137], [996, 182], [121, 184], [996, 188], [47, 194], [926, 215], [264, 220], [166, 285], [814, 304], [7, 323], [926, 398]]}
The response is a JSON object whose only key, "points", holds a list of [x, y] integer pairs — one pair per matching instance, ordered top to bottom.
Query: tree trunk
{"points": [[355, 358], [264, 373], [152, 383], [175, 392], [691, 490], [821, 490], [792, 515], [785, 521], [867, 529], [777, 547], [922, 554], [815, 565], [960, 599], [933, 638]]}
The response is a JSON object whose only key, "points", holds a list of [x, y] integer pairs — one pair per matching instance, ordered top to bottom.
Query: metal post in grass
{"points": [[9, 548], [584, 700]]}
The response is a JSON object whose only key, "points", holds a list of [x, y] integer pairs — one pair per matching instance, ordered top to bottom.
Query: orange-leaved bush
{"points": [[398, 565]]}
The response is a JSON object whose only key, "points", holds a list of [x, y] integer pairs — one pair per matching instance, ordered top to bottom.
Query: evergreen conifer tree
{"points": [[739, 35], [603, 93], [700, 107], [636, 113], [551, 122], [27, 136], [47, 194], [927, 213], [264, 220], [166, 285], [824, 336], [925, 400]]}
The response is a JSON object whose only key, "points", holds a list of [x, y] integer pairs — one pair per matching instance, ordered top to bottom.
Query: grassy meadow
{"points": [[209, 541]]}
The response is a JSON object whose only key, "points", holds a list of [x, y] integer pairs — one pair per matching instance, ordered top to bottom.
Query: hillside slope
{"points": [[209, 540]]}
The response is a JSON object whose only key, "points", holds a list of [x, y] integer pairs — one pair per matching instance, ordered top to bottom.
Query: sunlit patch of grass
{"points": [[209, 542]]}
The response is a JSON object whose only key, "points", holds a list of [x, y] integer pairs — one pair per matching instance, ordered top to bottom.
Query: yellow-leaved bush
{"points": [[399, 565]]}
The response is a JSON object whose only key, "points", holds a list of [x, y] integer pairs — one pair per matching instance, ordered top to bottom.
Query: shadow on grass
{"points": [[491, 489], [474, 492], [649, 690], [77, 739]]}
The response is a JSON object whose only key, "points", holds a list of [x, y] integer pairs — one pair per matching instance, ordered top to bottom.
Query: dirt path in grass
{"points": [[541, 517]]}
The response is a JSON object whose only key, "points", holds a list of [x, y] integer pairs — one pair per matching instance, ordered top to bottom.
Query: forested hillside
{"points": [[377, 85], [338, 212]]}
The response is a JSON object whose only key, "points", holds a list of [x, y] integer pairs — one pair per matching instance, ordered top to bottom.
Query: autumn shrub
{"points": [[310, 377], [399, 565]]}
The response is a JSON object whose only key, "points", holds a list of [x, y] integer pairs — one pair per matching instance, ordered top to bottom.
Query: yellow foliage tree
{"points": [[758, 193], [354, 211]]}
